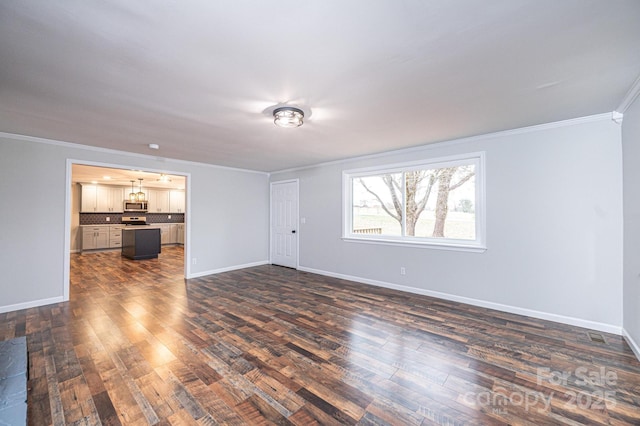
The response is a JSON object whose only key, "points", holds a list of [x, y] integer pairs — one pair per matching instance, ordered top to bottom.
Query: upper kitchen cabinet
{"points": [[88, 198], [110, 198], [101, 199], [158, 201], [165, 201], [176, 201]]}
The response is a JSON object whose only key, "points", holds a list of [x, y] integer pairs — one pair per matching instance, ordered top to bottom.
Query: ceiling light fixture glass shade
{"points": [[288, 117], [132, 195], [140, 196]]}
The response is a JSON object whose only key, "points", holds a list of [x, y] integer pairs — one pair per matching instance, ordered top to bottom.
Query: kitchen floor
{"points": [[137, 344]]}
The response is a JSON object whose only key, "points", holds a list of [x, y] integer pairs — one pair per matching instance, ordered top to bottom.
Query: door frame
{"points": [[67, 214], [297, 218]]}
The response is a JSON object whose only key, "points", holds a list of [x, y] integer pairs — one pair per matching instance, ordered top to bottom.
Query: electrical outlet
{"points": [[194, 261], [403, 271]]}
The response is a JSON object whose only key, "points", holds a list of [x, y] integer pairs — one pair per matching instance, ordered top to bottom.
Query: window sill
{"points": [[418, 244]]}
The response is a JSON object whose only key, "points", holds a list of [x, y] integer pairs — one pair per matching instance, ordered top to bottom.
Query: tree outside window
{"points": [[419, 202]]}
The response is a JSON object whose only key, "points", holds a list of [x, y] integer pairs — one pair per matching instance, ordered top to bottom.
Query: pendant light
{"points": [[132, 195], [140, 195]]}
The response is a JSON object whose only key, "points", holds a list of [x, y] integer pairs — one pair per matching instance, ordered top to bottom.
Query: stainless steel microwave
{"points": [[135, 206]]}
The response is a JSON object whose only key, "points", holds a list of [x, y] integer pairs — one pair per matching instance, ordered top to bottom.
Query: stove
{"points": [[134, 220]]}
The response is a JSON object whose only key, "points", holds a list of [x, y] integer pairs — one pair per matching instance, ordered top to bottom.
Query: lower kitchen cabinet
{"points": [[165, 233], [169, 233], [174, 233], [180, 233], [110, 236], [115, 236], [95, 237], [101, 237]]}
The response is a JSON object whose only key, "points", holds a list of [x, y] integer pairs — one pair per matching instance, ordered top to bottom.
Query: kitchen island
{"points": [[141, 242]]}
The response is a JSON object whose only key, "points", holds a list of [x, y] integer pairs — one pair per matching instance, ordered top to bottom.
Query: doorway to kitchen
{"points": [[106, 201]]}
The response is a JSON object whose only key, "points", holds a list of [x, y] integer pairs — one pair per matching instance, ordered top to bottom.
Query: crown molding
{"points": [[631, 96], [453, 142], [427, 146], [125, 153]]}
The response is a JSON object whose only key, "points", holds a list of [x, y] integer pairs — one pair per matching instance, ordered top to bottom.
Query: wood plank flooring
{"points": [[137, 344]]}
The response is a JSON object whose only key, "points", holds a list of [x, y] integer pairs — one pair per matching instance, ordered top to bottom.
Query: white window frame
{"points": [[477, 245]]}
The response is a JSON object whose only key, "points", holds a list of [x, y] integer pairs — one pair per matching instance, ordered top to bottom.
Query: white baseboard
{"points": [[227, 269], [31, 304], [592, 325], [632, 343]]}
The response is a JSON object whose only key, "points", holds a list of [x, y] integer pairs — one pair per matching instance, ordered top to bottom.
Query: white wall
{"points": [[631, 167], [228, 209], [554, 226]]}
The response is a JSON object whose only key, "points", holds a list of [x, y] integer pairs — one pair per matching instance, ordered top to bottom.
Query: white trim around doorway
{"points": [[67, 215]]}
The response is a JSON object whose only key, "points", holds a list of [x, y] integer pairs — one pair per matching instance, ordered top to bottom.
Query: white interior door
{"points": [[284, 223]]}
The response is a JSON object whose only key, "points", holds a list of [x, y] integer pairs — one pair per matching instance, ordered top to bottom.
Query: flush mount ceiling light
{"points": [[288, 117]]}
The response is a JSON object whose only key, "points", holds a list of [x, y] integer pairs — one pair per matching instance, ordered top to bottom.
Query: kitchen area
{"points": [[131, 211]]}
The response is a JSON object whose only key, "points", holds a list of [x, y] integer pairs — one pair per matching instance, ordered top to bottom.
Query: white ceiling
{"points": [[198, 77]]}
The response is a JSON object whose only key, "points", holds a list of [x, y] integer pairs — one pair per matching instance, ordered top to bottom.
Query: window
{"points": [[438, 202]]}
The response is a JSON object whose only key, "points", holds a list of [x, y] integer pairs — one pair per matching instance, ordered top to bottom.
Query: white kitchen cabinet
{"points": [[88, 198], [101, 199], [110, 199], [117, 199], [158, 201], [165, 201], [176, 201], [169, 232], [165, 233], [174, 233], [180, 234], [115, 236], [95, 237]]}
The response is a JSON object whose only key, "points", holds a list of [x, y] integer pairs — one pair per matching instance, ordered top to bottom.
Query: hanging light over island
{"points": [[140, 196]]}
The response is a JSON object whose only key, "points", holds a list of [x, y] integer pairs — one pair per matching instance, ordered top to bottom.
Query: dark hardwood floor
{"points": [[270, 345]]}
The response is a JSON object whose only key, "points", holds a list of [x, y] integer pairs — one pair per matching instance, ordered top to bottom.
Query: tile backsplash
{"points": [[115, 218], [164, 218]]}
